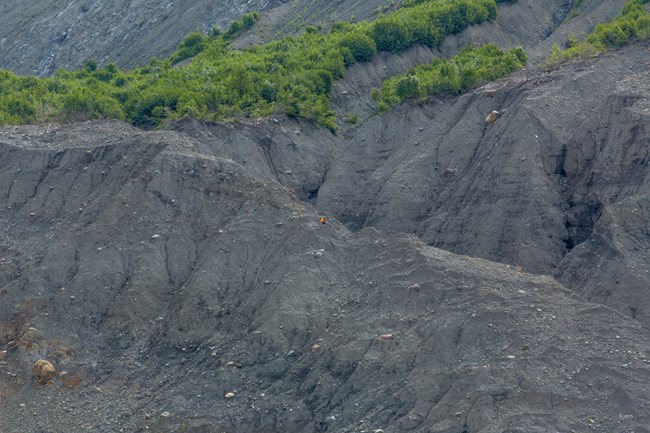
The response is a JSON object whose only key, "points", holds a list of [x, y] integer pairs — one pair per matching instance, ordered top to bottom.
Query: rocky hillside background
{"points": [[38, 37], [469, 277]]}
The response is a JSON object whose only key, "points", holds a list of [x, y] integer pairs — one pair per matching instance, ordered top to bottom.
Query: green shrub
{"points": [[238, 26], [392, 35], [192, 45], [362, 48], [90, 65], [407, 86], [20, 108]]}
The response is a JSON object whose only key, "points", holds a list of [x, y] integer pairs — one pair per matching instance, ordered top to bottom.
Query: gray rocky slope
{"points": [[166, 269], [182, 280]]}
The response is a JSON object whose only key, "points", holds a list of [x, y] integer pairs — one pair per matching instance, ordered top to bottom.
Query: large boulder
{"points": [[43, 371]]}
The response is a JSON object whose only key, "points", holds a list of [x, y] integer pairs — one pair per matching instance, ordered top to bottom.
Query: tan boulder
{"points": [[492, 117], [43, 372]]}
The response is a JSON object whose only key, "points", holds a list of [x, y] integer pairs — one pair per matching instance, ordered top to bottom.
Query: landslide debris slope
{"points": [[180, 280], [181, 291]]}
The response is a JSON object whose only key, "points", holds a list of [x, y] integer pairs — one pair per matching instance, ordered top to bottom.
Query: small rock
{"points": [[155, 236], [386, 337], [315, 347], [3, 353], [230, 363], [229, 395], [165, 414]]}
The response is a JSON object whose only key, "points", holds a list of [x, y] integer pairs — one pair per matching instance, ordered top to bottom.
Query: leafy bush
{"points": [[237, 27], [392, 35], [192, 45], [363, 48], [407, 86], [19, 108]]}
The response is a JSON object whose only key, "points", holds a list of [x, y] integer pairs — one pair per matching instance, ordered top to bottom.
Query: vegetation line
{"points": [[469, 68], [293, 75]]}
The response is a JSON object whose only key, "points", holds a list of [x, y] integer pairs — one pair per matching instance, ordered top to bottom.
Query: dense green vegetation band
{"points": [[293, 75], [455, 75]]}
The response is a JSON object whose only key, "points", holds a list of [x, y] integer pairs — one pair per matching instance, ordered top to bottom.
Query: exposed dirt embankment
{"points": [[185, 289]]}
